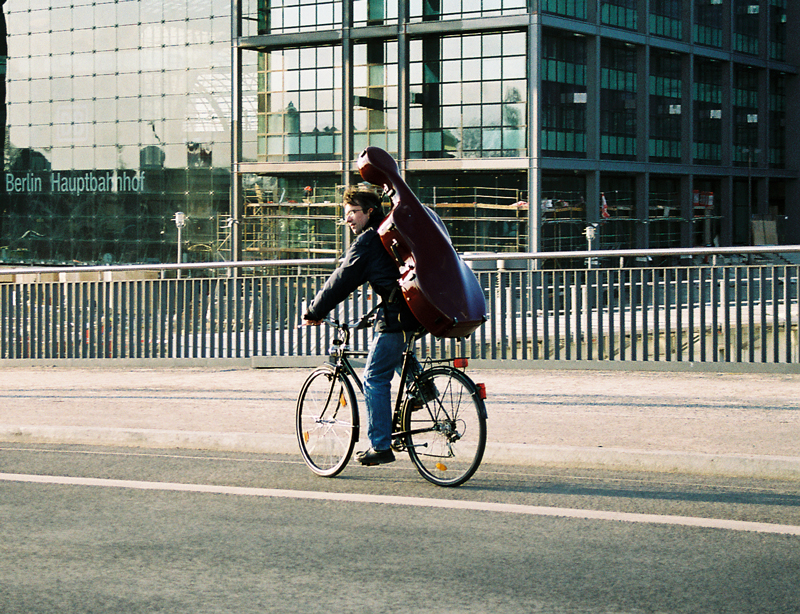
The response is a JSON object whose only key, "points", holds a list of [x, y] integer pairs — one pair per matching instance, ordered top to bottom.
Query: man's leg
{"points": [[384, 356]]}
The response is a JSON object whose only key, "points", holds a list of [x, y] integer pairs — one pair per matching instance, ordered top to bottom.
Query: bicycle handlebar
{"points": [[366, 321]]}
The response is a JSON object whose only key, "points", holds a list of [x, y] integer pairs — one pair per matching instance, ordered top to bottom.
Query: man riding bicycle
{"points": [[367, 261]]}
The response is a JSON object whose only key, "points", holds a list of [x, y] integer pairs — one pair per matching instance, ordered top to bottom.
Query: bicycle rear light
{"points": [[460, 363], [481, 390]]}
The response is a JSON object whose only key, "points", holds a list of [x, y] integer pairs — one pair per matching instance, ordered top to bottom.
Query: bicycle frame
{"points": [[343, 352]]}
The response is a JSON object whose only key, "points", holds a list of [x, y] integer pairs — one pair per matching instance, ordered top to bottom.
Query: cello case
{"points": [[439, 288]]}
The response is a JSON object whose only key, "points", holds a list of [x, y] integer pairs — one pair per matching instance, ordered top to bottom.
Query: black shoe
{"points": [[375, 457]]}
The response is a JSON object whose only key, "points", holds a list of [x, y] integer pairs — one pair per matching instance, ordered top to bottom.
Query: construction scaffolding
{"points": [[481, 219], [280, 224], [275, 227]]}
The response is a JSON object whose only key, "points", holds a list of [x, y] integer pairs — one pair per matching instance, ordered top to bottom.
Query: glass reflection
{"points": [[459, 96], [118, 149]]}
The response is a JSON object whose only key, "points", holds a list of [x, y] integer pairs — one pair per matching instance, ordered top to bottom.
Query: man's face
{"points": [[356, 218]]}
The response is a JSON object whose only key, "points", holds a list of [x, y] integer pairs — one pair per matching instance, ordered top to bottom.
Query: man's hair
{"points": [[365, 199]]}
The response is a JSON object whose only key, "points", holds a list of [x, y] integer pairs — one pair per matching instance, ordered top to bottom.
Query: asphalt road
{"points": [[146, 530]]}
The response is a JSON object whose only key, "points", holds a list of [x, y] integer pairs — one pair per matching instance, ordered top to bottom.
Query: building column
{"points": [[687, 21], [727, 26], [593, 56], [403, 85], [347, 94], [643, 104], [688, 112], [727, 115], [792, 130], [534, 135], [760, 157], [348, 162], [236, 196]]}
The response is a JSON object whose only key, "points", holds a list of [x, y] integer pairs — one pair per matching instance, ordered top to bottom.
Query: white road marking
{"points": [[232, 459], [481, 506]]}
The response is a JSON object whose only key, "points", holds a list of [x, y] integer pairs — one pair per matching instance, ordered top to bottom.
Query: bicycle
{"points": [[439, 414]]}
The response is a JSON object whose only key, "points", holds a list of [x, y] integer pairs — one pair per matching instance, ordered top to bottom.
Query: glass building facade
{"points": [[119, 115], [521, 122], [665, 122]]}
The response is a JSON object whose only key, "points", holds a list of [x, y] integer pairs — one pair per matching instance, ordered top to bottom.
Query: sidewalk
{"points": [[728, 424]]}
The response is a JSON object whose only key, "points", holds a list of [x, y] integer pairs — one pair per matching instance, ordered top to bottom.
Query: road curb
{"points": [[152, 438], [661, 461]]}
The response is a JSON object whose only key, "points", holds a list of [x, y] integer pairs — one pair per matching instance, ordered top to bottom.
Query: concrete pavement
{"points": [[731, 424]]}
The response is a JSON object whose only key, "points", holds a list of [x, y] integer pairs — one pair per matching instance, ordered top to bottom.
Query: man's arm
{"points": [[349, 275]]}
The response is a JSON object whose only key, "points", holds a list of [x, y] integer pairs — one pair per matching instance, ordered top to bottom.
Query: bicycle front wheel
{"points": [[327, 421], [447, 435]]}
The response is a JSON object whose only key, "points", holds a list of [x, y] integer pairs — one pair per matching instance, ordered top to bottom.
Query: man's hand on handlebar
{"points": [[308, 321]]}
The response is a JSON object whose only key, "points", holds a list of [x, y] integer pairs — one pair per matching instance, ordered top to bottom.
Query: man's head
{"points": [[362, 209]]}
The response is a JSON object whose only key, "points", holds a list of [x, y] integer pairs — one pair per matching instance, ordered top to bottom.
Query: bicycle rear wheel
{"points": [[326, 421], [447, 436]]}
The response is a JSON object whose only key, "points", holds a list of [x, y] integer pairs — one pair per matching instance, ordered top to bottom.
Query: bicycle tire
{"points": [[327, 421], [447, 435]]}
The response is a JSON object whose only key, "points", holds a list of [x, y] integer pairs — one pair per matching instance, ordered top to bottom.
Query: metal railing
{"points": [[706, 312]]}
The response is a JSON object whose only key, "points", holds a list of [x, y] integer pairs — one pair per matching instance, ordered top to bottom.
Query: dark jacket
{"points": [[366, 261]]}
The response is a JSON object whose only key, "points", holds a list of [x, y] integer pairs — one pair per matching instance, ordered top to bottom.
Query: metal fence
{"points": [[709, 312]]}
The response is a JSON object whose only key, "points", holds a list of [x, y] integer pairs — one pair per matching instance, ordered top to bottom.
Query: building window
{"points": [[568, 8], [433, 10], [374, 12], [620, 13], [283, 16], [665, 18], [708, 22], [745, 26], [777, 50], [375, 95], [468, 96], [563, 96], [618, 101], [299, 104], [666, 109], [708, 112], [745, 114], [777, 123], [618, 211], [706, 211], [484, 212], [563, 212], [665, 214], [291, 216]]}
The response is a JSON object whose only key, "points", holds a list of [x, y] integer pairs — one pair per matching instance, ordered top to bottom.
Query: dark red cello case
{"points": [[440, 289]]}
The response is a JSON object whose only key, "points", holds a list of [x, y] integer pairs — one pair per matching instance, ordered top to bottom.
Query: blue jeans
{"points": [[385, 356]]}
